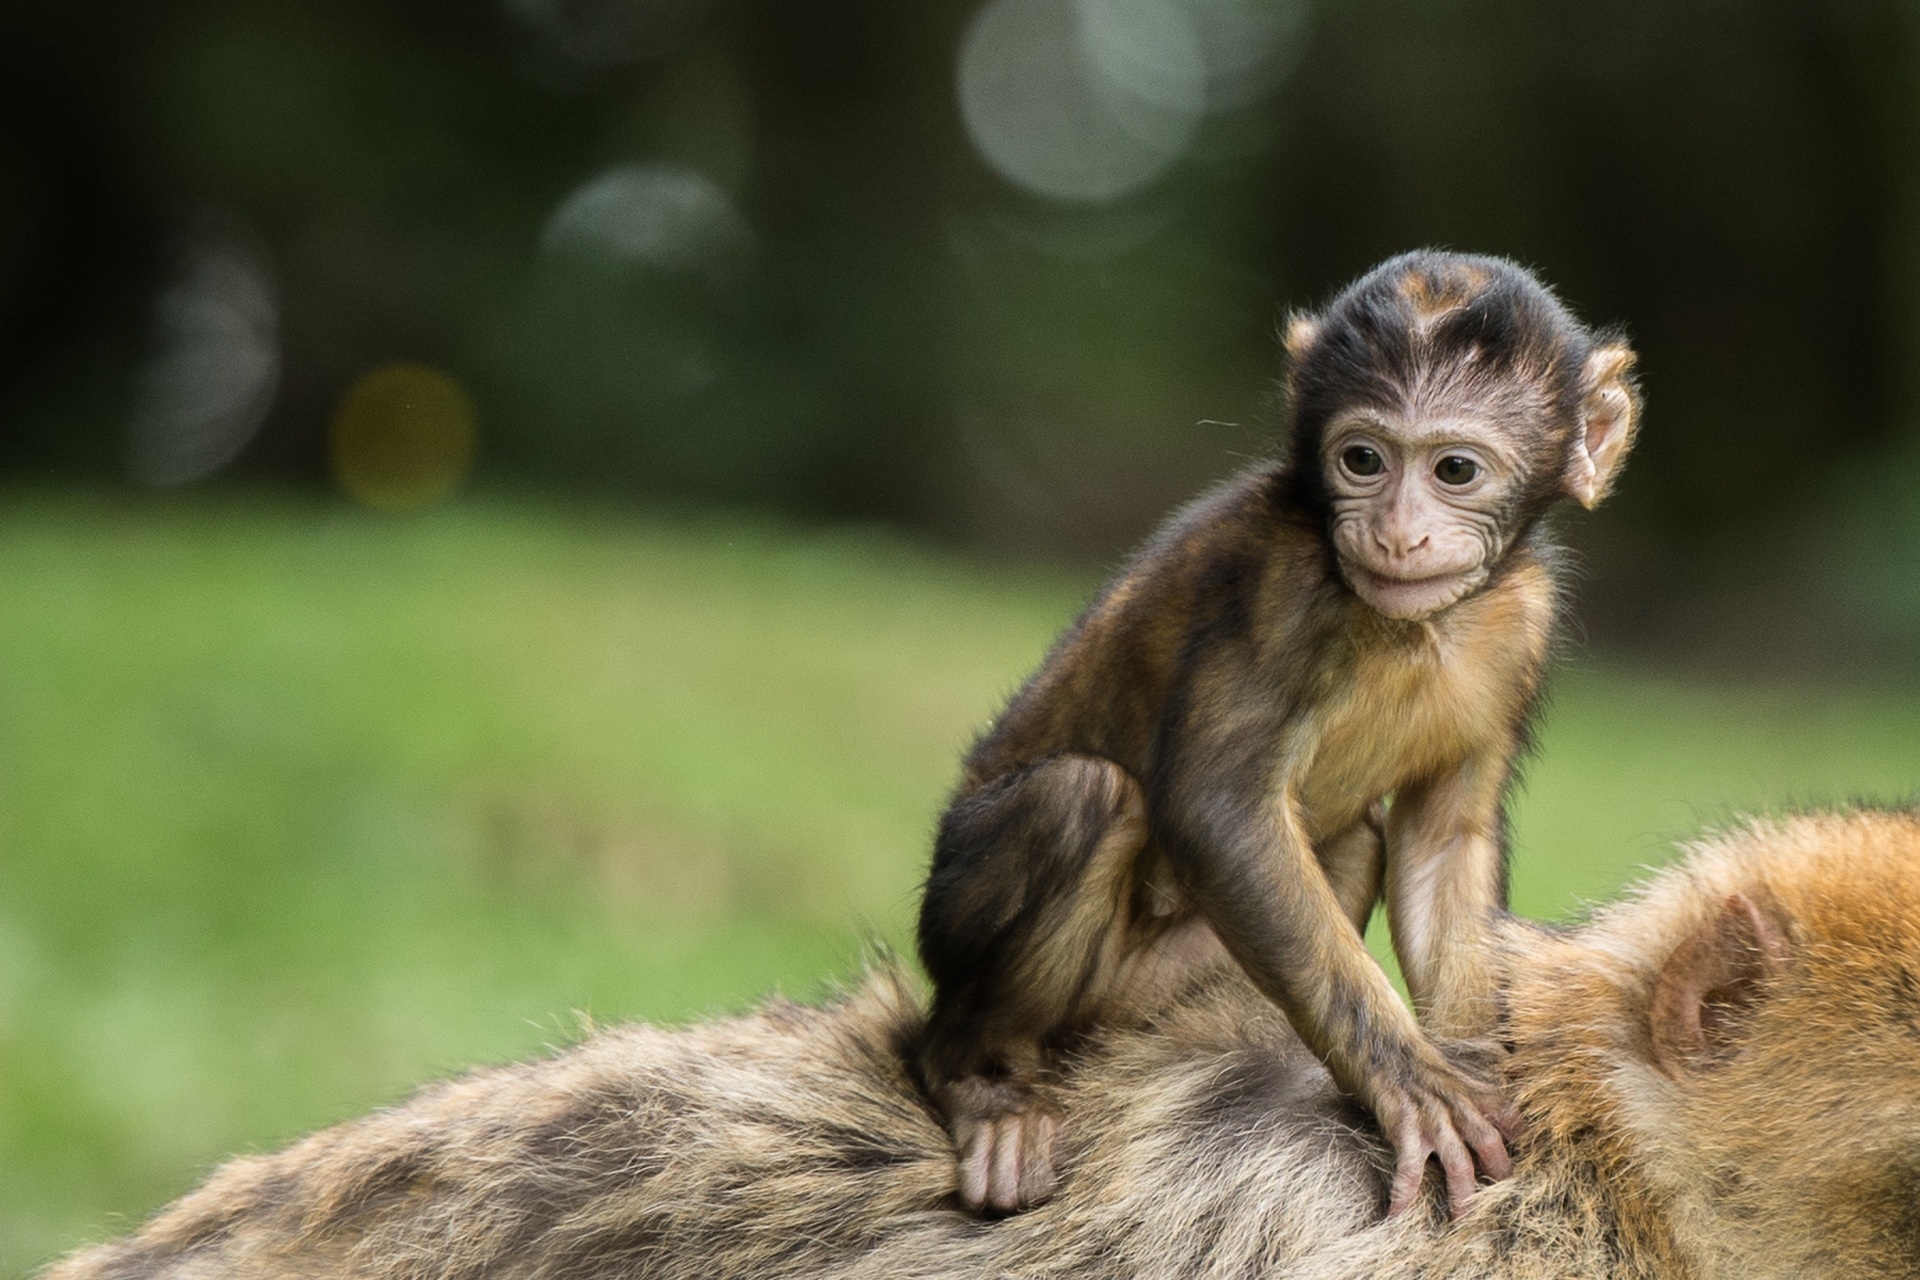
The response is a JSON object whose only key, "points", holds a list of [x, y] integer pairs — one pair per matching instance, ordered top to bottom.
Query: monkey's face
{"points": [[1418, 507]]}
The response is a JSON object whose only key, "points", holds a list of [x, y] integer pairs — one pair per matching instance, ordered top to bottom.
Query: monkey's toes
{"points": [[1007, 1162]]}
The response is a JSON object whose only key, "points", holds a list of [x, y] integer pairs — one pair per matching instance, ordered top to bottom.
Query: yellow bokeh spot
{"points": [[402, 438]]}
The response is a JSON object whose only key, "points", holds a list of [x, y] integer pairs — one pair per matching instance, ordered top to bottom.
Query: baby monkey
{"points": [[1306, 692]]}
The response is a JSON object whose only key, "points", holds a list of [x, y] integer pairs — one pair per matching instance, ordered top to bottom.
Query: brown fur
{"points": [[1207, 753], [793, 1143]]}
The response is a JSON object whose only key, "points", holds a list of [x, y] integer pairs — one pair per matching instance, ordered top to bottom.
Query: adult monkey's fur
{"points": [[1721, 1075]]}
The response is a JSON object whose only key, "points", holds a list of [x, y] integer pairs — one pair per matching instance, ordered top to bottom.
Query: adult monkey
{"points": [[1205, 757], [1718, 1073]]}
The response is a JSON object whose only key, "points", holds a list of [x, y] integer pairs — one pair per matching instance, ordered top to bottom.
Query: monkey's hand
{"points": [[1450, 1113], [1007, 1138]]}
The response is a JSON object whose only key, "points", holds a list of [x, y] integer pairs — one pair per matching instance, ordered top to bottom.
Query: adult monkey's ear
{"points": [[1302, 329], [1609, 415], [1710, 983]]}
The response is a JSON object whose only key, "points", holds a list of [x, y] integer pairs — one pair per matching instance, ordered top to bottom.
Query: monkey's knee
{"points": [[1089, 817], [1105, 825], [1016, 855]]}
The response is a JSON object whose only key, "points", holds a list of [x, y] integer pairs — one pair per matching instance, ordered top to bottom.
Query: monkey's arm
{"points": [[1251, 870]]}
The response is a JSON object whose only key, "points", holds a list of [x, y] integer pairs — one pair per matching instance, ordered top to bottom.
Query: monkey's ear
{"points": [[1302, 329], [1609, 415], [1709, 982]]}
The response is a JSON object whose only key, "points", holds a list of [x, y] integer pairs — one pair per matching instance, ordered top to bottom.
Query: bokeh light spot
{"points": [[1249, 46], [1082, 100], [664, 216], [211, 379], [403, 437]]}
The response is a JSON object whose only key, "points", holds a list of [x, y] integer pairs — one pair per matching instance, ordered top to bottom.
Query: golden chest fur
{"points": [[1415, 699]]}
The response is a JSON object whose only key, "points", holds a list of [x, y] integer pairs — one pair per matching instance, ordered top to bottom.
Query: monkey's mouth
{"points": [[1409, 599]]}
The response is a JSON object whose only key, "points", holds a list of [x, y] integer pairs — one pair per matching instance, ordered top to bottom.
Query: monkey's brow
{"points": [[1363, 420], [1483, 432]]}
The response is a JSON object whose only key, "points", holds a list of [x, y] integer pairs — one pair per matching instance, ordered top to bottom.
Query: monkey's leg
{"points": [[1355, 861], [1445, 889], [1022, 929], [1155, 973]]}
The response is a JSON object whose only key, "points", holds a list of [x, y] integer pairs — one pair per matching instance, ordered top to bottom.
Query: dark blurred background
{"points": [[1006, 274], [514, 506]]}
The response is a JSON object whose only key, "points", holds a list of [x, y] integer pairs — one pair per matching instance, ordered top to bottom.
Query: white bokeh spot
{"points": [[1249, 46], [1082, 100], [1091, 101], [664, 216], [216, 366]]}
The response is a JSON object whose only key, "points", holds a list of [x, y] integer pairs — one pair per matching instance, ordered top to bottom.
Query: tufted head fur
{"points": [[1430, 334]]}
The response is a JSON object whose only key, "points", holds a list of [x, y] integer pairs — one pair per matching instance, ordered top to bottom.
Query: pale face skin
{"points": [[1417, 507]]}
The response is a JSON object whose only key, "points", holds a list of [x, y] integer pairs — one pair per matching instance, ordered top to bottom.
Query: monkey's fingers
{"points": [[1480, 1109], [1508, 1119], [1413, 1125], [1483, 1133], [1459, 1136], [1008, 1162], [1457, 1165], [1409, 1170]]}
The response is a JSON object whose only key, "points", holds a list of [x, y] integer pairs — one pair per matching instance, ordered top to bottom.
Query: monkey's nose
{"points": [[1393, 545]]}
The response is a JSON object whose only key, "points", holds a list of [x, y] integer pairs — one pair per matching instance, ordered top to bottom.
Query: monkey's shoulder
{"points": [[1219, 550], [1217, 557], [1200, 580]]}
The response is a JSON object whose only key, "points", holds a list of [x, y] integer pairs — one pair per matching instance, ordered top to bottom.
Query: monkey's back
{"points": [[1106, 684]]}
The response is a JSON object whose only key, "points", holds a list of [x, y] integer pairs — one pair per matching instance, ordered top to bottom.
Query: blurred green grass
{"points": [[300, 807]]}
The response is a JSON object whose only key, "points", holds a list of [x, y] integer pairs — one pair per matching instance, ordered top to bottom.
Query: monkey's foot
{"points": [[1459, 1120], [1007, 1156]]}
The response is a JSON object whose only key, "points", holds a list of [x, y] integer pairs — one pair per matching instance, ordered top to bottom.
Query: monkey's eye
{"points": [[1361, 461], [1454, 469]]}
